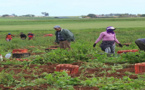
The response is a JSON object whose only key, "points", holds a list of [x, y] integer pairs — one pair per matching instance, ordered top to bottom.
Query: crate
{"points": [[50, 35], [49, 49], [20, 51], [125, 51], [21, 55], [69, 68], [140, 68]]}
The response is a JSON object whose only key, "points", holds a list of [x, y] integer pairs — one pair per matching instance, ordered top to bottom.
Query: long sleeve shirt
{"points": [[107, 37]]}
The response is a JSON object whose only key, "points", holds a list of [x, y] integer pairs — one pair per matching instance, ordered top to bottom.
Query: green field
{"points": [[72, 24], [108, 73]]}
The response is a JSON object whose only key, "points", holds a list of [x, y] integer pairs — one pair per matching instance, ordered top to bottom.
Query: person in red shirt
{"points": [[30, 36], [9, 37]]}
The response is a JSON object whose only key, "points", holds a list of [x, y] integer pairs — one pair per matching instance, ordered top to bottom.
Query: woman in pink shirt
{"points": [[108, 40]]}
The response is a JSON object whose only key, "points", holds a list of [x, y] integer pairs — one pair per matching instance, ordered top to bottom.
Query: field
{"points": [[96, 72]]}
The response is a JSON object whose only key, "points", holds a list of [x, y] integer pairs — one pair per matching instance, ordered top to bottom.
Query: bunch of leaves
{"points": [[136, 57], [38, 60], [7, 78], [61, 80], [90, 82], [24, 83], [126, 83]]}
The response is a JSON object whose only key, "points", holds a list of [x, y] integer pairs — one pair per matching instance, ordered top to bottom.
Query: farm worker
{"points": [[30, 35], [23, 36], [9, 37], [63, 37], [108, 40], [141, 43]]}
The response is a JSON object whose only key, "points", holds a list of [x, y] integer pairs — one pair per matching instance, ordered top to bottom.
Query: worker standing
{"points": [[63, 37]]}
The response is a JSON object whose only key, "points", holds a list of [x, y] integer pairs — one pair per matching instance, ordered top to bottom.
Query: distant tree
{"points": [[45, 13], [5, 15], [14, 15], [28, 15], [92, 15], [143, 15]]}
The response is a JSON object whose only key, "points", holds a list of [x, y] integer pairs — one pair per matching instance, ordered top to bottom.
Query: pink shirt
{"points": [[107, 37]]}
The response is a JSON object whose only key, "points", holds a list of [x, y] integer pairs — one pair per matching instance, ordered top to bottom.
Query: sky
{"points": [[71, 7]]}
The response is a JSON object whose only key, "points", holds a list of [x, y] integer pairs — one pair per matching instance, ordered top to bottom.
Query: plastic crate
{"points": [[50, 35], [20, 51], [125, 51], [21, 55], [69, 68], [140, 68]]}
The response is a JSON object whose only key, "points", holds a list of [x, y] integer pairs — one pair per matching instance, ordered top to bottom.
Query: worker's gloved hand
{"points": [[94, 45], [120, 45]]}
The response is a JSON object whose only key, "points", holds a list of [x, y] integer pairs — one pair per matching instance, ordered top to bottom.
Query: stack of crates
{"points": [[20, 53], [69, 68]]}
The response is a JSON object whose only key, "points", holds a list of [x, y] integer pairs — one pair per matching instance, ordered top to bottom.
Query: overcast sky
{"points": [[71, 7]]}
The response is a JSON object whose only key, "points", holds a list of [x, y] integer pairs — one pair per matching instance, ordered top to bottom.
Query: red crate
{"points": [[50, 35], [20, 51], [125, 51], [58, 68], [69, 68], [140, 68], [75, 69]]}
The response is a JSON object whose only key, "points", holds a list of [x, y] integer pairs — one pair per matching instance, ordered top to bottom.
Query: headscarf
{"points": [[110, 29]]}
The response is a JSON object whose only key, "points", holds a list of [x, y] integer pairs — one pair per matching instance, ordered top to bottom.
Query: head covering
{"points": [[57, 26], [110, 29], [9, 33]]}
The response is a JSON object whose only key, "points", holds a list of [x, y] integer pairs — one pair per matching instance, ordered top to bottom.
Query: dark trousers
{"points": [[140, 44]]}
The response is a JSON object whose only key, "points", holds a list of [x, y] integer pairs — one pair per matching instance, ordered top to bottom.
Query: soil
{"points": [[31, 70]]}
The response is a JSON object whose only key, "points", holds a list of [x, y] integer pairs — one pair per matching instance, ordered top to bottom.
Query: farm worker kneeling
{"points": [[30, 35], [23, 36], [9, 37], [63, 37], [108, 41], [141, 43]]}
